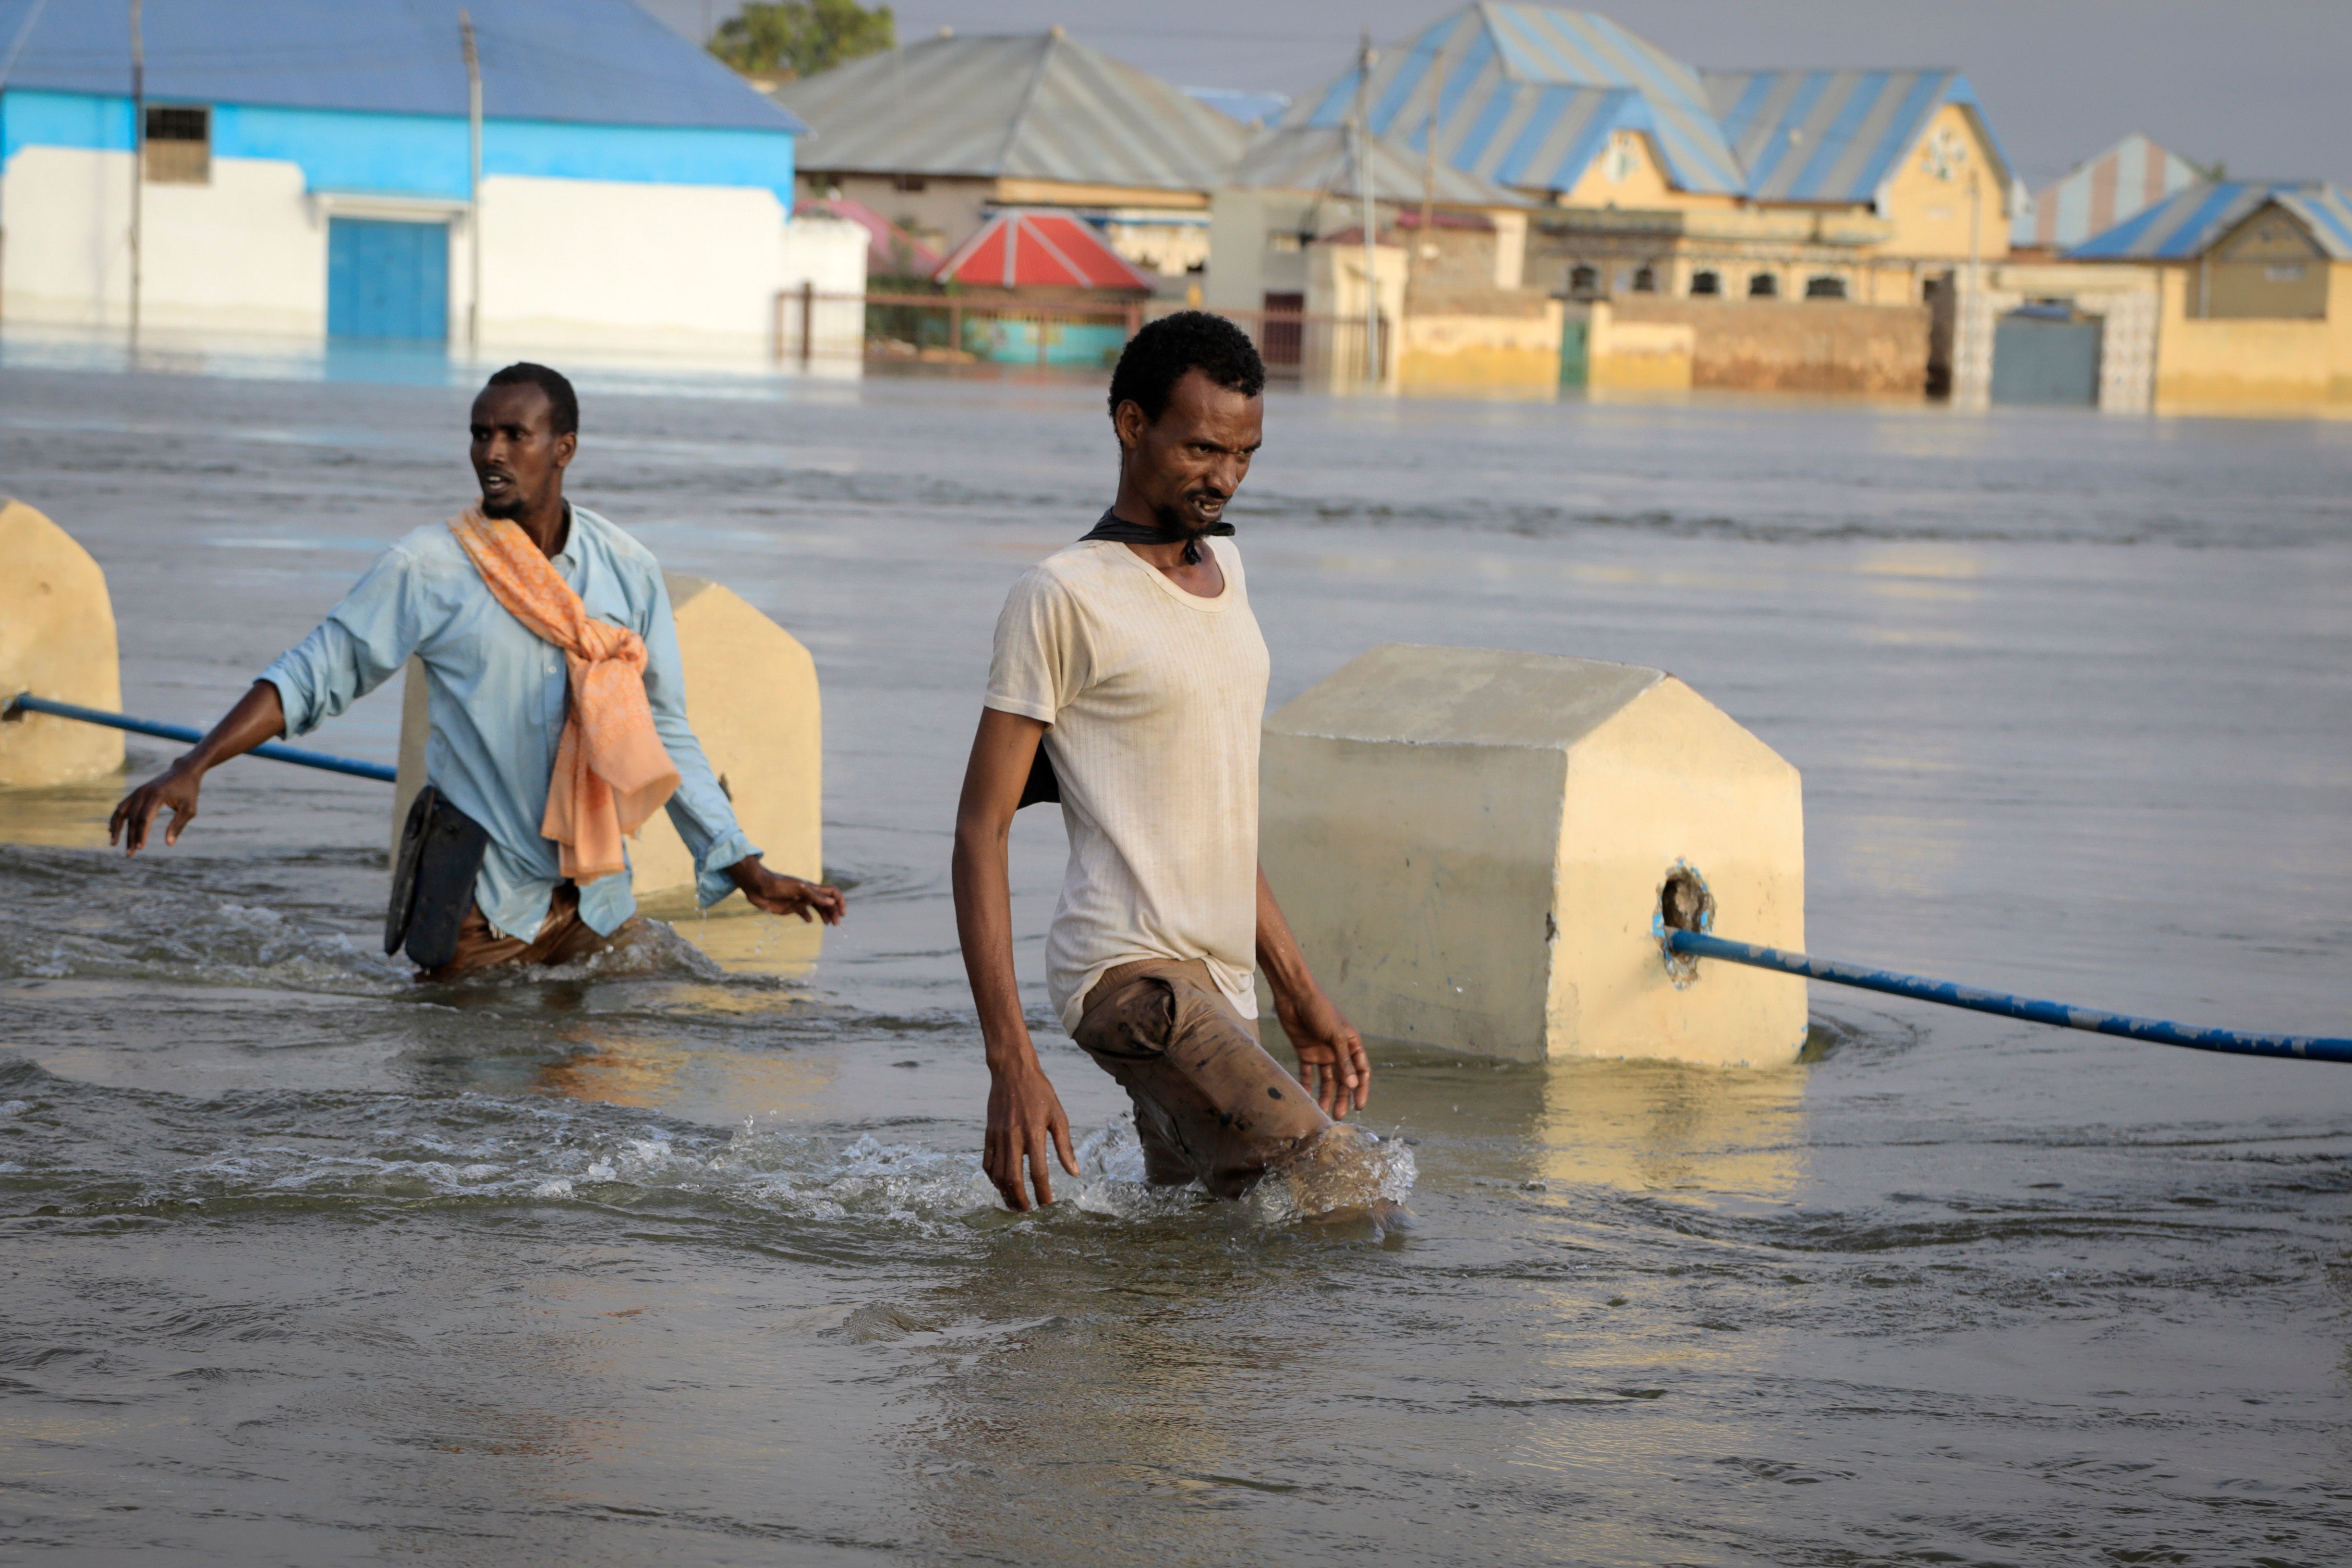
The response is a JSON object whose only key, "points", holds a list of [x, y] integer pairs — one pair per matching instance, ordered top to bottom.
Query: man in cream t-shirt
{"points": [[1132, 660]]}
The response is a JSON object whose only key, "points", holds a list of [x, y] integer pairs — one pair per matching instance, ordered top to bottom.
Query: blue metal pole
{"points": [[270, 749], [2311, 1048]]}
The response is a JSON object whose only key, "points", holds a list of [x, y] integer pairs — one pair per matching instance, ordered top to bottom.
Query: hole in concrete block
{"points": [[1685, 903]]}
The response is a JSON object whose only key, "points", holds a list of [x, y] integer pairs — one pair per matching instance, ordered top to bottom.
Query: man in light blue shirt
{"points": [[498, 698]]}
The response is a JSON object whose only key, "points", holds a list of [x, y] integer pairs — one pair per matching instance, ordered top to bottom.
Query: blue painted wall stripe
{"points": [[425, 155]]}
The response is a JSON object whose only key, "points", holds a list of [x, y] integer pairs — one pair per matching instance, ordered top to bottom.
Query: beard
{"points": [[513, 506], [1176, 525]]}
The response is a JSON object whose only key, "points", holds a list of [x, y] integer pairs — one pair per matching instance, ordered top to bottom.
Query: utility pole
{"points": [[1429, 160], [137, 161], [1364, 182], [473, 186]]}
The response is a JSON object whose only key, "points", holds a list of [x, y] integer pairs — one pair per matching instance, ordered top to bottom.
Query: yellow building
{"points": [[1657, 178], [2255, 282]]}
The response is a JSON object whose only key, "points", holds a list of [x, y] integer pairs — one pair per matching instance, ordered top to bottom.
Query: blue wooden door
{"points": [[387, 280], [2044, 357]]}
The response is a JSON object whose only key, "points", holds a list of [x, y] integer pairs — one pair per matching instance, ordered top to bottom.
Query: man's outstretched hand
{"points": [[258, 716], [175, 787], [780, 895], [1331, 1060], [1024, 1122]]}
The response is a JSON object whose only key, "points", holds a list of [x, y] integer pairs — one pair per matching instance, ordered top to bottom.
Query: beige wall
{"points": [[1628, 172], [1932, 216], [1480, 340], [1794, 345], [2254, 364]]}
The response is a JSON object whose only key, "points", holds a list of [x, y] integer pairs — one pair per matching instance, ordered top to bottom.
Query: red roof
{"points": [[886, 241], [1026, 248]]}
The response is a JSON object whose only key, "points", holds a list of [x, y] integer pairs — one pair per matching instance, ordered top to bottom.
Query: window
{"points": [[179, 144], [910, 182], [1284, 241], [1645, 280], [1583, 282], [1707, 282], [1763, 286], [1825, 288]]}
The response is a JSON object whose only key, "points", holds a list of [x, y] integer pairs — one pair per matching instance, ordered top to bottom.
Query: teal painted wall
{"points": [[422, 155]]}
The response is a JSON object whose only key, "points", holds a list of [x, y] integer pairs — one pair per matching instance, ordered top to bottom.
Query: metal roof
{"points": [[603, 62], [1529, 95], [1035, 105], [1835, 136], [1321, 158], [2094, 196], [2186, 225], [1027, 247]]}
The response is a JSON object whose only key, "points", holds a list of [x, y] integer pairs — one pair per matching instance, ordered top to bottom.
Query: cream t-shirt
{"points": [[1155, 697]]}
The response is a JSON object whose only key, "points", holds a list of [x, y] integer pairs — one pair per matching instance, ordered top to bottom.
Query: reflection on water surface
{"points": [[686, 1257]]}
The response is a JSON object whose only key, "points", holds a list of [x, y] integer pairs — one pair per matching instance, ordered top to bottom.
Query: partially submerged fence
{"points": [[813, 325]]}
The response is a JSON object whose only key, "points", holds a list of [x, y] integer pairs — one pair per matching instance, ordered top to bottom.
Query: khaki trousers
{"points": [[563, 938], [1209, 1103]]}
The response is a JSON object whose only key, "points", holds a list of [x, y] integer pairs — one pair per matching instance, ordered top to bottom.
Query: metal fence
{"points": [[812, 325]]}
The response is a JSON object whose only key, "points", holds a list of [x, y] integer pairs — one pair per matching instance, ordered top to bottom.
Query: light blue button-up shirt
{"points": [[497, 701]]}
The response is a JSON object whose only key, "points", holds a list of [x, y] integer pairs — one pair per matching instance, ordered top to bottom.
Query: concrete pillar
{"points": [[57, 640], [752, 697], [1473, 847]]}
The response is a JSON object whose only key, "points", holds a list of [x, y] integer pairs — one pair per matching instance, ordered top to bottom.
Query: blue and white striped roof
{"points": [[1529, 95], [1834, 135], [2191, 223]]}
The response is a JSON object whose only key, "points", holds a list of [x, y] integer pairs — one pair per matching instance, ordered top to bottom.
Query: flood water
{"points": [[686, 1259]]}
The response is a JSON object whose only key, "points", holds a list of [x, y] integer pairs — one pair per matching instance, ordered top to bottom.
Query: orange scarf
{"points": [[611, 772]]}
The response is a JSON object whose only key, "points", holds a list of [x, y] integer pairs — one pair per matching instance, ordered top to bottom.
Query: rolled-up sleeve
{"points": [[354, 650], [700, 809]]}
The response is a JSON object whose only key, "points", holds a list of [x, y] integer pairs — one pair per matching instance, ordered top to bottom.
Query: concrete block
{"points": [[57, 640], [752, 697], [1479, 851]]}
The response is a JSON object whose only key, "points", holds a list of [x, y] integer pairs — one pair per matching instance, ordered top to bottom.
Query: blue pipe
{"points": [[270, 749], [1694, 944]]}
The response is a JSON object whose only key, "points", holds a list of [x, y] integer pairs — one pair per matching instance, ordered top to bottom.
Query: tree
{"points": [[801, 38]]}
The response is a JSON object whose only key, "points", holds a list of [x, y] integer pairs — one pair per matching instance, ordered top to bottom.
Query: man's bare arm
{"points": [[258, 717], [1331, 1060], [1025, 1114]]}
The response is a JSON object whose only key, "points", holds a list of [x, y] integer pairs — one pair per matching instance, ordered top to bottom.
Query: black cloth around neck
{"points": [[1118, 530]]}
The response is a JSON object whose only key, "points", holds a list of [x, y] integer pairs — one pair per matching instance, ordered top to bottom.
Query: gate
{"points": [[387, 280], [2045, 354]]}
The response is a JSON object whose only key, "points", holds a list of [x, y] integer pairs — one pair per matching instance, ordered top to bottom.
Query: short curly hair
{"points": [[1156, 359], [562, 403]]}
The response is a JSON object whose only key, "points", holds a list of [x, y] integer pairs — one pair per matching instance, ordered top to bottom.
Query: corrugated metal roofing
{"points": [[603, 62], [1529, 95], [1036, 107], [1834, 135], [1321, 158], [2094, 197], [2186, 225], [1028, 247]]}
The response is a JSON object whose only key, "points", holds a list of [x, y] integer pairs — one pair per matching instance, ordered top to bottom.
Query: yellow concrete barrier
{"points": [[57, 640], [752, 697], [1473, 847]]}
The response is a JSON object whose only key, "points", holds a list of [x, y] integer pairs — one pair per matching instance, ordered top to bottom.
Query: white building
{"points": [[307, 169]]}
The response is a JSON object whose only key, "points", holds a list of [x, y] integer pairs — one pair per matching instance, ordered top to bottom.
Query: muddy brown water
{"points": [[685, 1259]]}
